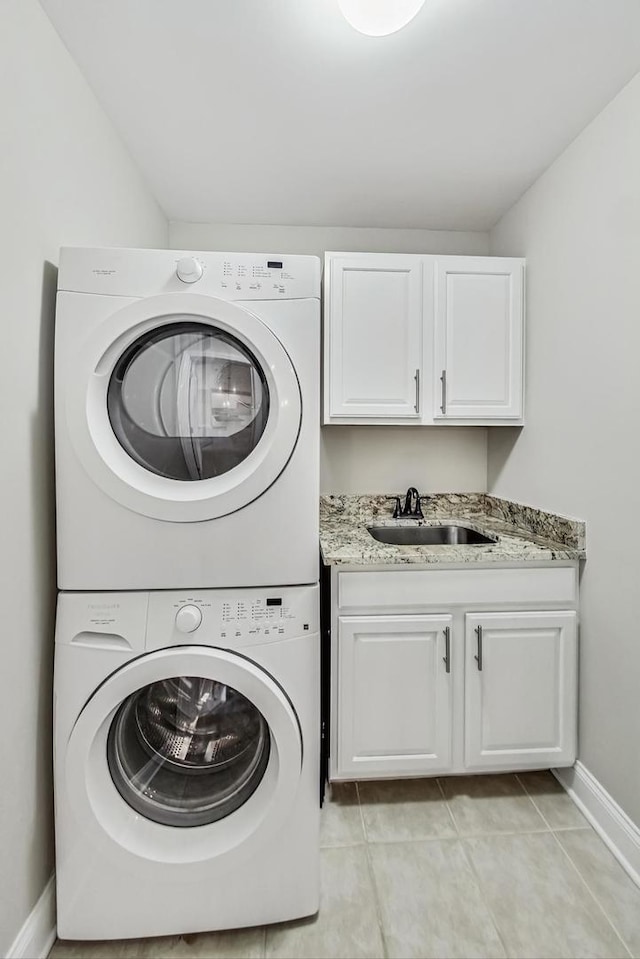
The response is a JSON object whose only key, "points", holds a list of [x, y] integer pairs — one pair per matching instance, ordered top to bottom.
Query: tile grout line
{"points": [[535, 805], [448, 807], [542, 815], [362, 822], [572, 828], [470, 835], [479, 835], [348, 844], [567, 856], [469, 858], [372, 877], [591, 893]]}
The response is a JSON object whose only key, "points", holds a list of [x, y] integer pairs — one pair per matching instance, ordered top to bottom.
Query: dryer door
{"points": [[184, 407], [184, 755]]}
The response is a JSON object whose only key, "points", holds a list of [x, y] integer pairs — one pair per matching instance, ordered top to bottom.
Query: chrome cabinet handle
{"points": [[417, 379], [443, 380], [478, 658], [446, 659]]}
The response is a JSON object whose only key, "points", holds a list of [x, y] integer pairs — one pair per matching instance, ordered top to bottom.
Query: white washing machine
{"points": [[187, 419], [186, 746]]}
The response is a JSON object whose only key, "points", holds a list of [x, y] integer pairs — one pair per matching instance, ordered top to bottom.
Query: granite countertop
{"points": [[522, 534]]}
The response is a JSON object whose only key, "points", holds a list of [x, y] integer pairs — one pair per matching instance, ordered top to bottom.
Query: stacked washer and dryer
{"points": [[187, 688]]}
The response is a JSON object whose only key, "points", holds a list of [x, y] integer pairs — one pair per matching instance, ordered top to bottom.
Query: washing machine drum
{"points": [[187, 751]]}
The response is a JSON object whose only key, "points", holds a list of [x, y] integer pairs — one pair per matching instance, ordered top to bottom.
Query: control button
{"points": [[188, 269], [188, 618]]}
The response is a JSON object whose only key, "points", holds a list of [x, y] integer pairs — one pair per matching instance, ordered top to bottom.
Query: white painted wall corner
{"points": [[38, 934]]}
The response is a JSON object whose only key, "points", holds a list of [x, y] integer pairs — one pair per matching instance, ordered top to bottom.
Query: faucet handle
{"points": [[397, 510], [418, 513]]}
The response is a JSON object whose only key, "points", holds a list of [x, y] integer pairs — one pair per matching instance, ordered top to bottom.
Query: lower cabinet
{"points": [[520, 690], [452, 691], [394, 695]]}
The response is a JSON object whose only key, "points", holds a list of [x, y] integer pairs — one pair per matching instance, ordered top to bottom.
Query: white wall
{"points": [[65, 179], [314, 240], [579, 453], [360, 459], [380, 459]]}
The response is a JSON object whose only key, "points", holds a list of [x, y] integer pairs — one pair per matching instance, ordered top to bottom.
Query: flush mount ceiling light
{"points": [[378, 18]]}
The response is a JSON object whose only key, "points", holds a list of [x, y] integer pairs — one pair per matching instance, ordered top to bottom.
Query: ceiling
{"points": [[278, 112]]}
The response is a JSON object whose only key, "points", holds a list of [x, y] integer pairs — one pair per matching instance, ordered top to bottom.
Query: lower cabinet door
{"points": [[520, 690], [394, 696]]}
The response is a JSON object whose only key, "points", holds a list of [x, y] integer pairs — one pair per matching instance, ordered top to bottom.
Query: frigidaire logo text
{"points": [[104, 605]]}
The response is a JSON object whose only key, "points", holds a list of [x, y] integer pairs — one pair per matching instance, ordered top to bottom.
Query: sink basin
{"points": [[429, 535]]}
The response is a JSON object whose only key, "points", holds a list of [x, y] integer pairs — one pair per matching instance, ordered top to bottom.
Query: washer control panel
{"points": [[232, 617]]}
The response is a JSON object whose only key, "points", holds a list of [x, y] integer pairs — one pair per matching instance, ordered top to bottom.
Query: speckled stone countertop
{"points": [[522, 534]]}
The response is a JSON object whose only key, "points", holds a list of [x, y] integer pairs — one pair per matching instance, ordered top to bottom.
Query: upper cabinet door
{"points": [[373, 337], [478, 348]]}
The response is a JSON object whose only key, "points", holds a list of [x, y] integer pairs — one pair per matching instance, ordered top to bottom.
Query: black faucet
{"points": [[407, 510], [413, 513]]}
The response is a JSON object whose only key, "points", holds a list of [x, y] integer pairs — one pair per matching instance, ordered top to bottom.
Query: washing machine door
{"points": [[183, 407], [184, 755]]}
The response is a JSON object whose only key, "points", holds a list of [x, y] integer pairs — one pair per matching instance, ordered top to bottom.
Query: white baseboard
{"points": [[612, 824], [38, 934]]}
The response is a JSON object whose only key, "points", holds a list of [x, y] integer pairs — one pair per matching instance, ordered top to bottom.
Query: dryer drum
{"points": [[188, 401], [187, 751]]}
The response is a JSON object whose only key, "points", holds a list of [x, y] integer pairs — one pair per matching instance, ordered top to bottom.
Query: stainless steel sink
{"points": [[429, 535]]}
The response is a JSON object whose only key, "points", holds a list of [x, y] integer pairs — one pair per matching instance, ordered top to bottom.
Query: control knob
{"points": [[189, 269], [188, 618]]}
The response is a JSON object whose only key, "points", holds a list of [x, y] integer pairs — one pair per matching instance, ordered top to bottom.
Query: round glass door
{"points": [[188, 401], [182, 407], [187, 750]]}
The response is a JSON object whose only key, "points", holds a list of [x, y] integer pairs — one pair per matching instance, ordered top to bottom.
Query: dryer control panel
{"points": [[229, 276], [231, 618]]}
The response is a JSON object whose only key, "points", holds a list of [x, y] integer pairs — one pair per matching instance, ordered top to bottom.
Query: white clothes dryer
{"points": [[187, 419], [186, 760]]}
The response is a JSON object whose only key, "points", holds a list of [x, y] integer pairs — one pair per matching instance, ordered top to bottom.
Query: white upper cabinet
{"points": [[373, 337], [423, 339], [478, 341]]}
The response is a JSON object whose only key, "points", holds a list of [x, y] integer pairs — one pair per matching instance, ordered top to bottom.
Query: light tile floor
{"points": [[477, 866]]}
